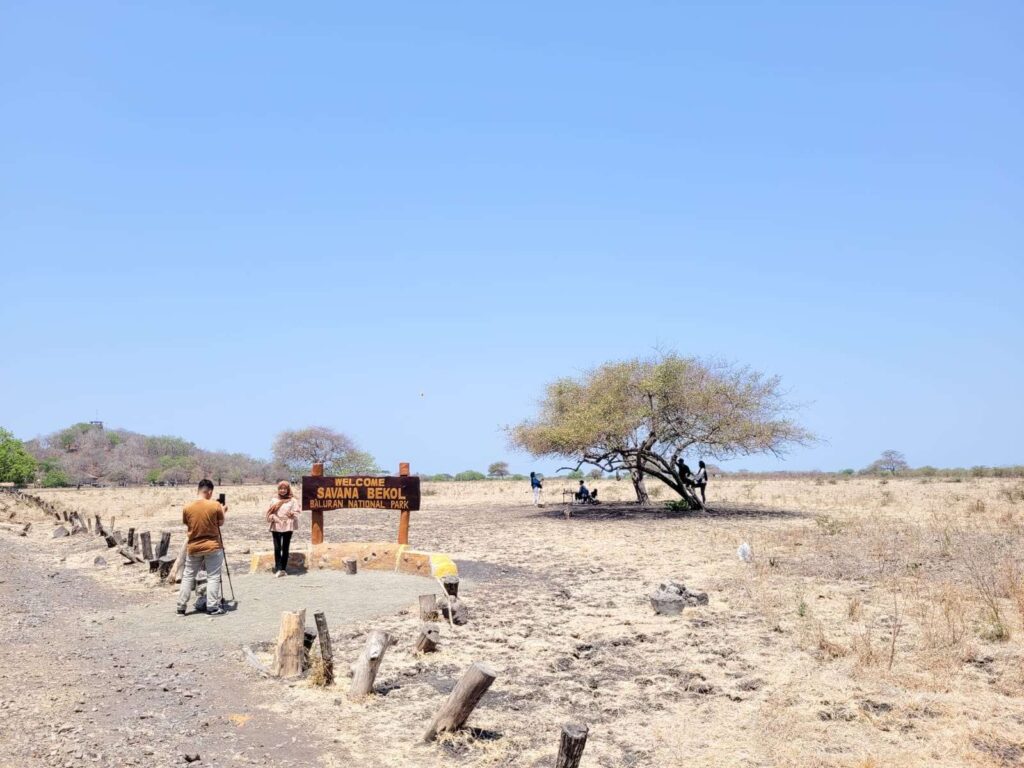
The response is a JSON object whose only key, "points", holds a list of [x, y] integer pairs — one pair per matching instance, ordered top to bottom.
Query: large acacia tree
{"points": [[641, 416], [299, 449]]}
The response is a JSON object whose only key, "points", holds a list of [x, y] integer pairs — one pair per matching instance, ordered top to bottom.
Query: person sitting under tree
{"points": [[582, 494]]}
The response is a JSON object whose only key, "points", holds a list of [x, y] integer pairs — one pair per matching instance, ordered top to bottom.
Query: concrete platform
{"points": [[372, 556], [262, 598]]}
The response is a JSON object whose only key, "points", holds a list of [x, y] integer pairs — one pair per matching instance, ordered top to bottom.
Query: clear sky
{"points": [[402, 219]]}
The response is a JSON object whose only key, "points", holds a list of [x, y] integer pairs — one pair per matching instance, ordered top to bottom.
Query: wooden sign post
{"points": [[320, 493], [403, 515], [317, 524]]}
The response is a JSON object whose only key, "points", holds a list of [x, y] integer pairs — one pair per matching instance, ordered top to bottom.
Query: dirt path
{"points": [[95, 677]]}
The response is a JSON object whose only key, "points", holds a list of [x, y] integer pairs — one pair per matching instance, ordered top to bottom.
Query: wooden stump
{"points": [[131, 537], [165, 543], [147, 546], [129, 555], [165, 564], [351, 566], [451, 585], [428, 607], [455, 611], [428, 639], [289, 652], [326, 652], [364, 671], [463, 699], [570, 748]]}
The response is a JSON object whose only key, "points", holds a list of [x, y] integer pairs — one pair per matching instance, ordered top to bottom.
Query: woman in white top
{"points": [[700, 480], [283, 517]]}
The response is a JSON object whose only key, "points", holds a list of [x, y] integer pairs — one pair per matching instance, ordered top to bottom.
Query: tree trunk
{"points": [[639, 487], [691, 498], [289, 652], [364, 671], [460, 704], [570, 749]]}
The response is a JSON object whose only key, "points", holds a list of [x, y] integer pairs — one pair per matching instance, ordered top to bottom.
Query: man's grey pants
{"points": [[211, 562]]}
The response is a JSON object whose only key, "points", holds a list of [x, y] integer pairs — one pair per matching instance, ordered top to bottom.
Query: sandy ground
{"points": [[861, 634]]}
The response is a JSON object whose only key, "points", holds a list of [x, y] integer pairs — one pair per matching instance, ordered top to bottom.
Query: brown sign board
{"points": [[360, 492]]}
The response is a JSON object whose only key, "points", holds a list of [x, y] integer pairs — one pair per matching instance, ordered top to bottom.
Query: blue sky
{"points": [[219, 222]]}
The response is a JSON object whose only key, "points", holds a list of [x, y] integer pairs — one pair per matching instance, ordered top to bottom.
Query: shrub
{"points": [[16, 464], [470, 474], [56, 478], [679, 505]]}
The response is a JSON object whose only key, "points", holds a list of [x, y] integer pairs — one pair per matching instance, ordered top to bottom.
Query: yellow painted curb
{"points": [[441, 566]]}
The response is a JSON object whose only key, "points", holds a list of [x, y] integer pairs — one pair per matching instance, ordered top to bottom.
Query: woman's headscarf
{"points": [[284, 495]]}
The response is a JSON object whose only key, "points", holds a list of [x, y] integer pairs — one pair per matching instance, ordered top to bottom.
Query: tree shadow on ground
{"points": [[632, 511]]}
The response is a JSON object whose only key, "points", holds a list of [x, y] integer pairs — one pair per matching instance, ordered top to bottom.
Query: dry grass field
{"points": [[879, 623]]}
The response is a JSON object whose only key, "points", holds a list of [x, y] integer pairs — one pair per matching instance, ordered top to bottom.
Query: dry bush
{"points": [[1014, 494], [986, 565], [316, 672]]}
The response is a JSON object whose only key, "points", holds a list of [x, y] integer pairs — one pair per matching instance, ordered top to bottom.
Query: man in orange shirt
{"points": [[204, 517]]}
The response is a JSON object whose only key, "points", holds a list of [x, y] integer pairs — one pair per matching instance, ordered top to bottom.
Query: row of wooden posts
{"points": [[134, 549], [294, 644]]}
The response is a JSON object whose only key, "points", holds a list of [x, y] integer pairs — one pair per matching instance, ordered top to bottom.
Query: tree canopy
{"points": [[643, 415], [299, 449], [891, 461], [17, 465], [498, 469]]}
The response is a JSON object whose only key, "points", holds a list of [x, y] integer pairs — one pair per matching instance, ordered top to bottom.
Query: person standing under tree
{"points": [[700, 480], [536, 486], [283, 516], [204, 517]]}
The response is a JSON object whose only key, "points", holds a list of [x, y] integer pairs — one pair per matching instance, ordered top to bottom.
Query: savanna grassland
{"points": [[880, 622]]}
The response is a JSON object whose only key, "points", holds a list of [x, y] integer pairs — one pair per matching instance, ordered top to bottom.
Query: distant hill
{"points": [[89, 453]]}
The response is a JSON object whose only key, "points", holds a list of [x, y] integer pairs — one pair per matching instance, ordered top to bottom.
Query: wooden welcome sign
{"points": [[360, 492], [320, 494]]}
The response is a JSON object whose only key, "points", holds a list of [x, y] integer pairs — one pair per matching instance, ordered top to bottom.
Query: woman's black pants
{"points": [[282, 540]]}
